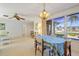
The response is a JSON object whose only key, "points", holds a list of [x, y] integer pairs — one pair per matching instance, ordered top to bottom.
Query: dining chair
{"points": [[38, 46], [41, 46], [67, 48]]}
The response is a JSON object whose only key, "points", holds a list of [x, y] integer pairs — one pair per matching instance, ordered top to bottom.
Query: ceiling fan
{"points": [[15, 16]]}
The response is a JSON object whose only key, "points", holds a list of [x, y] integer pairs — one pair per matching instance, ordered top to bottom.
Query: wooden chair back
{"points": [[67, 48]]}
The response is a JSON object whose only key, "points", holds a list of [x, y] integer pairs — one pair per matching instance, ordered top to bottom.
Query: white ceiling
{"points": [[33, 8]]}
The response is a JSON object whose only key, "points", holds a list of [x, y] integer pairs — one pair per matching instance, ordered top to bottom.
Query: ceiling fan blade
{"points": [[5, 15], [16, 16], [10, 17], [19, 17], [23, 18]]}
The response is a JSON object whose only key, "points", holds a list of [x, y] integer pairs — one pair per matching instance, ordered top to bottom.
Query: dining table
{"points": [[57, 44]]}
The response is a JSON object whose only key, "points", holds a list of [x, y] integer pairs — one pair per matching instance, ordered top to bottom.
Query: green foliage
{"points": [[73, 18], [72, 34]]}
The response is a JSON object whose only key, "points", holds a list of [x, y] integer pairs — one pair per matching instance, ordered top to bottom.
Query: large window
{"points": [[59, 26], [70, 26], [73, 26]]}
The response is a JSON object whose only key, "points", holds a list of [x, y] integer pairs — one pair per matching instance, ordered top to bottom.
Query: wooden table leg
{"points": [[35, 47], [42, 47], [65, 48], [70, 49]]}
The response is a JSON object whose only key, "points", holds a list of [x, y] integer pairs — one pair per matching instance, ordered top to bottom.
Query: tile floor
{"points": [[25, 47]]}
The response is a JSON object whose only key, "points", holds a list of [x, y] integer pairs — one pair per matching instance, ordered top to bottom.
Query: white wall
{"points": [[29, 26], [14, 27], [19, 28]]}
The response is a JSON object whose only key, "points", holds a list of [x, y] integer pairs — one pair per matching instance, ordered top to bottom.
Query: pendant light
{"points": [[44, 13]]}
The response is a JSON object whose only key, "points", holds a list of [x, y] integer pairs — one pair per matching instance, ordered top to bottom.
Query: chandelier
{"points": [[44, 13]]}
